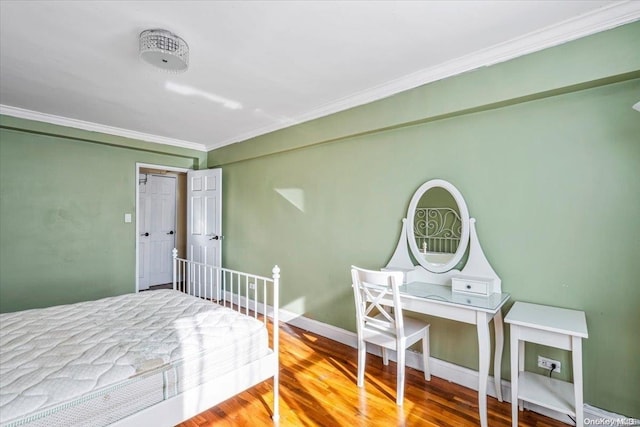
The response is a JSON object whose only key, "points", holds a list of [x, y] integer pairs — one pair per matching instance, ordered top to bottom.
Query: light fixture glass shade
{"points": [[165, 50]]}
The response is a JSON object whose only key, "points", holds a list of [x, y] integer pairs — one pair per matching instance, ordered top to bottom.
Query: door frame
{"points": [[137, 184]]}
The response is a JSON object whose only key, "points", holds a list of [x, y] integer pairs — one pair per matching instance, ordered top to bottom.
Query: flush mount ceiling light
{"points": [[165, 50]]}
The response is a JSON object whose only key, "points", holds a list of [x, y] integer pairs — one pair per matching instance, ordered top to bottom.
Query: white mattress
{"points": [[95, 362]]}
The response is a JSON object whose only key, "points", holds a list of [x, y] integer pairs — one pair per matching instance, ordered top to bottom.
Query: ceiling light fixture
{"points": [[165, 50]]}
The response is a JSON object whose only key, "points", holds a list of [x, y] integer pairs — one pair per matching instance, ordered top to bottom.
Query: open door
{"points": [[204, 217], [161, 222], [157, 226]]}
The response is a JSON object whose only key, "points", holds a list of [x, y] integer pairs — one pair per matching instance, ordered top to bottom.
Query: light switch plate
{"points": [[127, 217]]}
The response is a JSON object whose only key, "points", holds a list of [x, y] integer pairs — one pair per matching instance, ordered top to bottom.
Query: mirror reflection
{"points": [[437, 226]]}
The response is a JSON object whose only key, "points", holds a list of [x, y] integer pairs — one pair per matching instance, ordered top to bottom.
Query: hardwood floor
{"points": [[318, 388]]}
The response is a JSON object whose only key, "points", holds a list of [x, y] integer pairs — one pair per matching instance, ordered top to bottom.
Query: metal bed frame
{"points": [[246, 293]]}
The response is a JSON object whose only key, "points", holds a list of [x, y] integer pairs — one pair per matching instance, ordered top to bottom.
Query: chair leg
{"points": [[425, 355], [385, 356], [362, 360], [400, 380]]}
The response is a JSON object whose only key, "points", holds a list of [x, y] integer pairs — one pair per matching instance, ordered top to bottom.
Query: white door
{"points": [[157, 216], [204, 217]]}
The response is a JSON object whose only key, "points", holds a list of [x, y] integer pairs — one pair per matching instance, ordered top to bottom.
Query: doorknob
{"points": [[171, 232], [145, 234], [216, 237]]}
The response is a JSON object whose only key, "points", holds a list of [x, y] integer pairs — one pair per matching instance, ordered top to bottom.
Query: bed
{"points": [[150, 358]]}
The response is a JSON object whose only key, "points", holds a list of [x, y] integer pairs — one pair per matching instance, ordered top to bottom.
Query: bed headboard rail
{"points": [[437, 229], [246, 293]]}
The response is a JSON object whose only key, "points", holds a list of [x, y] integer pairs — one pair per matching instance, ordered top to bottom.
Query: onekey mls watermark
{"points": [[614, 422]]}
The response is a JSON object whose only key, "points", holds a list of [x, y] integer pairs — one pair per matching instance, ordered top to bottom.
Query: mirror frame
{"points": [[464, 218]]}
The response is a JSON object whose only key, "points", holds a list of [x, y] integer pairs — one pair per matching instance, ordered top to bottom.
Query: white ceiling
{"points": [[258, 66]]}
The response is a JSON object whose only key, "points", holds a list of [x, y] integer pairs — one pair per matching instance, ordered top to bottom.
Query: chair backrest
{"points": [[377, 298]]}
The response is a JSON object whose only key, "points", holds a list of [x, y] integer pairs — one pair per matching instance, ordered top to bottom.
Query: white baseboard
{"points": [[454, 373]]}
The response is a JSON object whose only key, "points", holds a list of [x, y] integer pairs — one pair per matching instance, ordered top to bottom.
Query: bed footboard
{"points": [[249, 294]]}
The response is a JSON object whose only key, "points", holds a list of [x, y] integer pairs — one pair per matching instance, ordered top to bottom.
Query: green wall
{"points": [[544, 148], [546, 151], [63, 196]]}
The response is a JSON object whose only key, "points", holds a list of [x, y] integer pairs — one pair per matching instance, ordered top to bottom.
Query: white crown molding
{"points": [[614, 15], [605, 18], [96, 127]]}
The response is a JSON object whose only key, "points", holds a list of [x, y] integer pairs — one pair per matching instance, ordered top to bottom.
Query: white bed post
{"points": [[174, 252], [276, 343]]}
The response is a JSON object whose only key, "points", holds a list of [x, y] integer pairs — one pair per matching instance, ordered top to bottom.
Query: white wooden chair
{"points": [[380, 321]]}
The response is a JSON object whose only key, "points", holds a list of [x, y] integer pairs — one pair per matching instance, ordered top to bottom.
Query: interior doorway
{"points": [[161, 222]]}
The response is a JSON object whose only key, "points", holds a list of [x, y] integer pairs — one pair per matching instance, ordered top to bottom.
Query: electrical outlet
{"points": [[546, 363]]}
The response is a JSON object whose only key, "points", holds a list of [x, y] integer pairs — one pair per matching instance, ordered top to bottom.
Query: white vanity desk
{"points": [[437, 233], [440, 301]]}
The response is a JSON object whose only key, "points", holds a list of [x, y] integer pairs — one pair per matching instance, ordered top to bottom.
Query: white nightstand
{"points": [[554, 327]]}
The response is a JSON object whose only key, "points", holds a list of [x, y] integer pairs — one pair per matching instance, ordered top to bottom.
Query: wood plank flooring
{"points": [[318, 388]]}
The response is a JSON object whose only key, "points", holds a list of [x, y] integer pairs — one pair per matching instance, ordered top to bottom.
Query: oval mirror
{"points": [[438, 226]]}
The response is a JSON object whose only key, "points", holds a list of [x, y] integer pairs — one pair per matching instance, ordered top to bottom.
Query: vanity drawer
{"points": [[471, 285]]}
